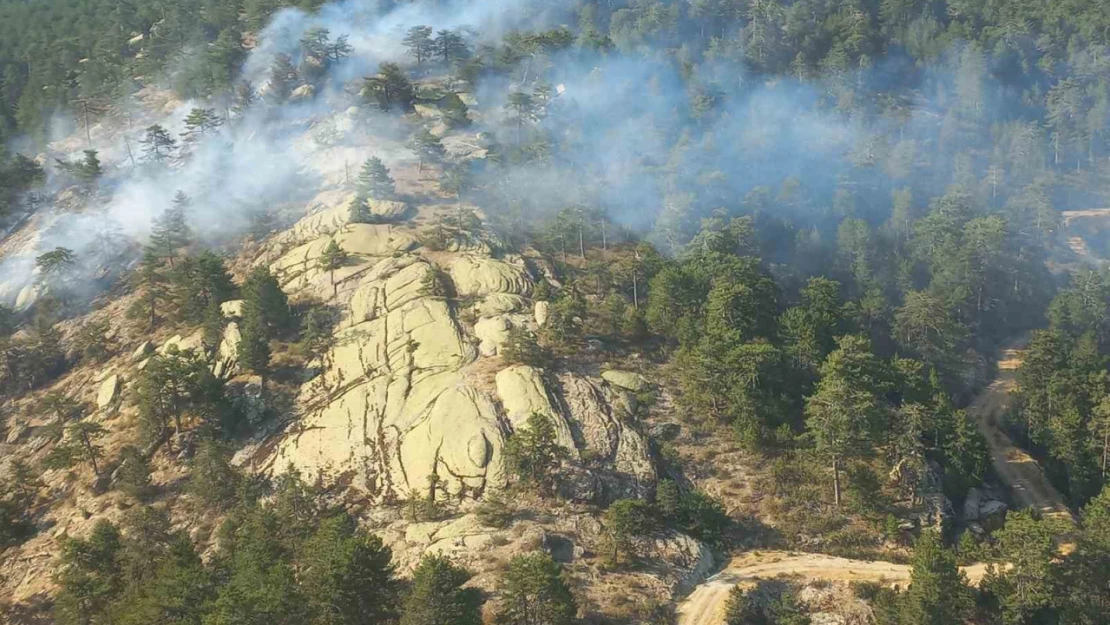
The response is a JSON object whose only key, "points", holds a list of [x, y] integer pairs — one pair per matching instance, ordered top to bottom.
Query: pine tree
{"points": [[420, 44], [450, 46], [283, 77], [390, 88], [244, 97], [199, 123], [157, 144], [428, 147], [88, 170], [374, 180], [359, 211], [170, 231], [331, 259], [55, 263], [199, 283], [151, 284], [264, 300], [254, 346], [79, 446], [533, 454], [133, 475], [212, 478], [347, 576], [534, 592], [938, 592], [437, 596]]}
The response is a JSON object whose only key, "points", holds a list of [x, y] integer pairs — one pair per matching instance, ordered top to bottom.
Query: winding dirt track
{"points": [[706, 604]]}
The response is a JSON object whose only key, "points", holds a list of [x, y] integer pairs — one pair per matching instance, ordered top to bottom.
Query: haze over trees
{"points": [[815, 220]]}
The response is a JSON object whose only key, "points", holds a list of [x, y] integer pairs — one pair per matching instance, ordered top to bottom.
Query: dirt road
{"points": [[1017, 469], [706, 604]]}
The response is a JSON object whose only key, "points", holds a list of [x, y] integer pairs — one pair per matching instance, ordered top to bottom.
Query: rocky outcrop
{"points": [[389, 210], [482, 276], [232, 309], [541, 311], [493, 332], [143, 351], [227, 356], [626, 379], [108, 392], [395, 405], [985, 508]]}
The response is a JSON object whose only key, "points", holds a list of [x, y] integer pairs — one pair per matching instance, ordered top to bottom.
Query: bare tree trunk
{"points": [[635, 291], [836, 481]]}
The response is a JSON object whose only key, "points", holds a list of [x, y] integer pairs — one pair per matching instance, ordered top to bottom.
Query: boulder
{"points": [[304, 92], [427, 111], [388, 209], [481, 276], [28, 295], [496, 304], [232, 309], [541, 312], [493, 332], [194, 342], [145, 349], [227, 356], [626, 379], [109, 391], [523, 391], [391, 407], [665, 431], [971, 505], [992, 514], [692, 558]]}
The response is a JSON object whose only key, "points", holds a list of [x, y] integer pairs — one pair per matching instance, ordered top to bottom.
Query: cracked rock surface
{"points": [[396, 404]]}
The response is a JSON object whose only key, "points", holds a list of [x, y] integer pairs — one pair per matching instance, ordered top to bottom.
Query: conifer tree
{"points": [[420, 43], [283, 78], [390, 88], [199, 123], [157, 144], [428, 148], [374, 180], [170, 231], [333, 258], [151, 284], [264, 300], [534, 592], [938, 592], [437, 595]]}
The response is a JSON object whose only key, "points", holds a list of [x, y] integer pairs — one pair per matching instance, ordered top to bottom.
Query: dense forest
{"points": [[819, 219]]}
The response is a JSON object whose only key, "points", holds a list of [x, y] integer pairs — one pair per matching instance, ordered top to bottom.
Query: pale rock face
{"points": [[304, 92], [427, 111], [387, 209], [327, 212], [299, 268], [481, 276], [28, 295], [496, 304], [232, 309], [541, 312], [492, 332], [194, 342], [146, 348], [227, 356], [626, 379], [109, 391], [523, 391], [396, 400], [393, 407]]}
